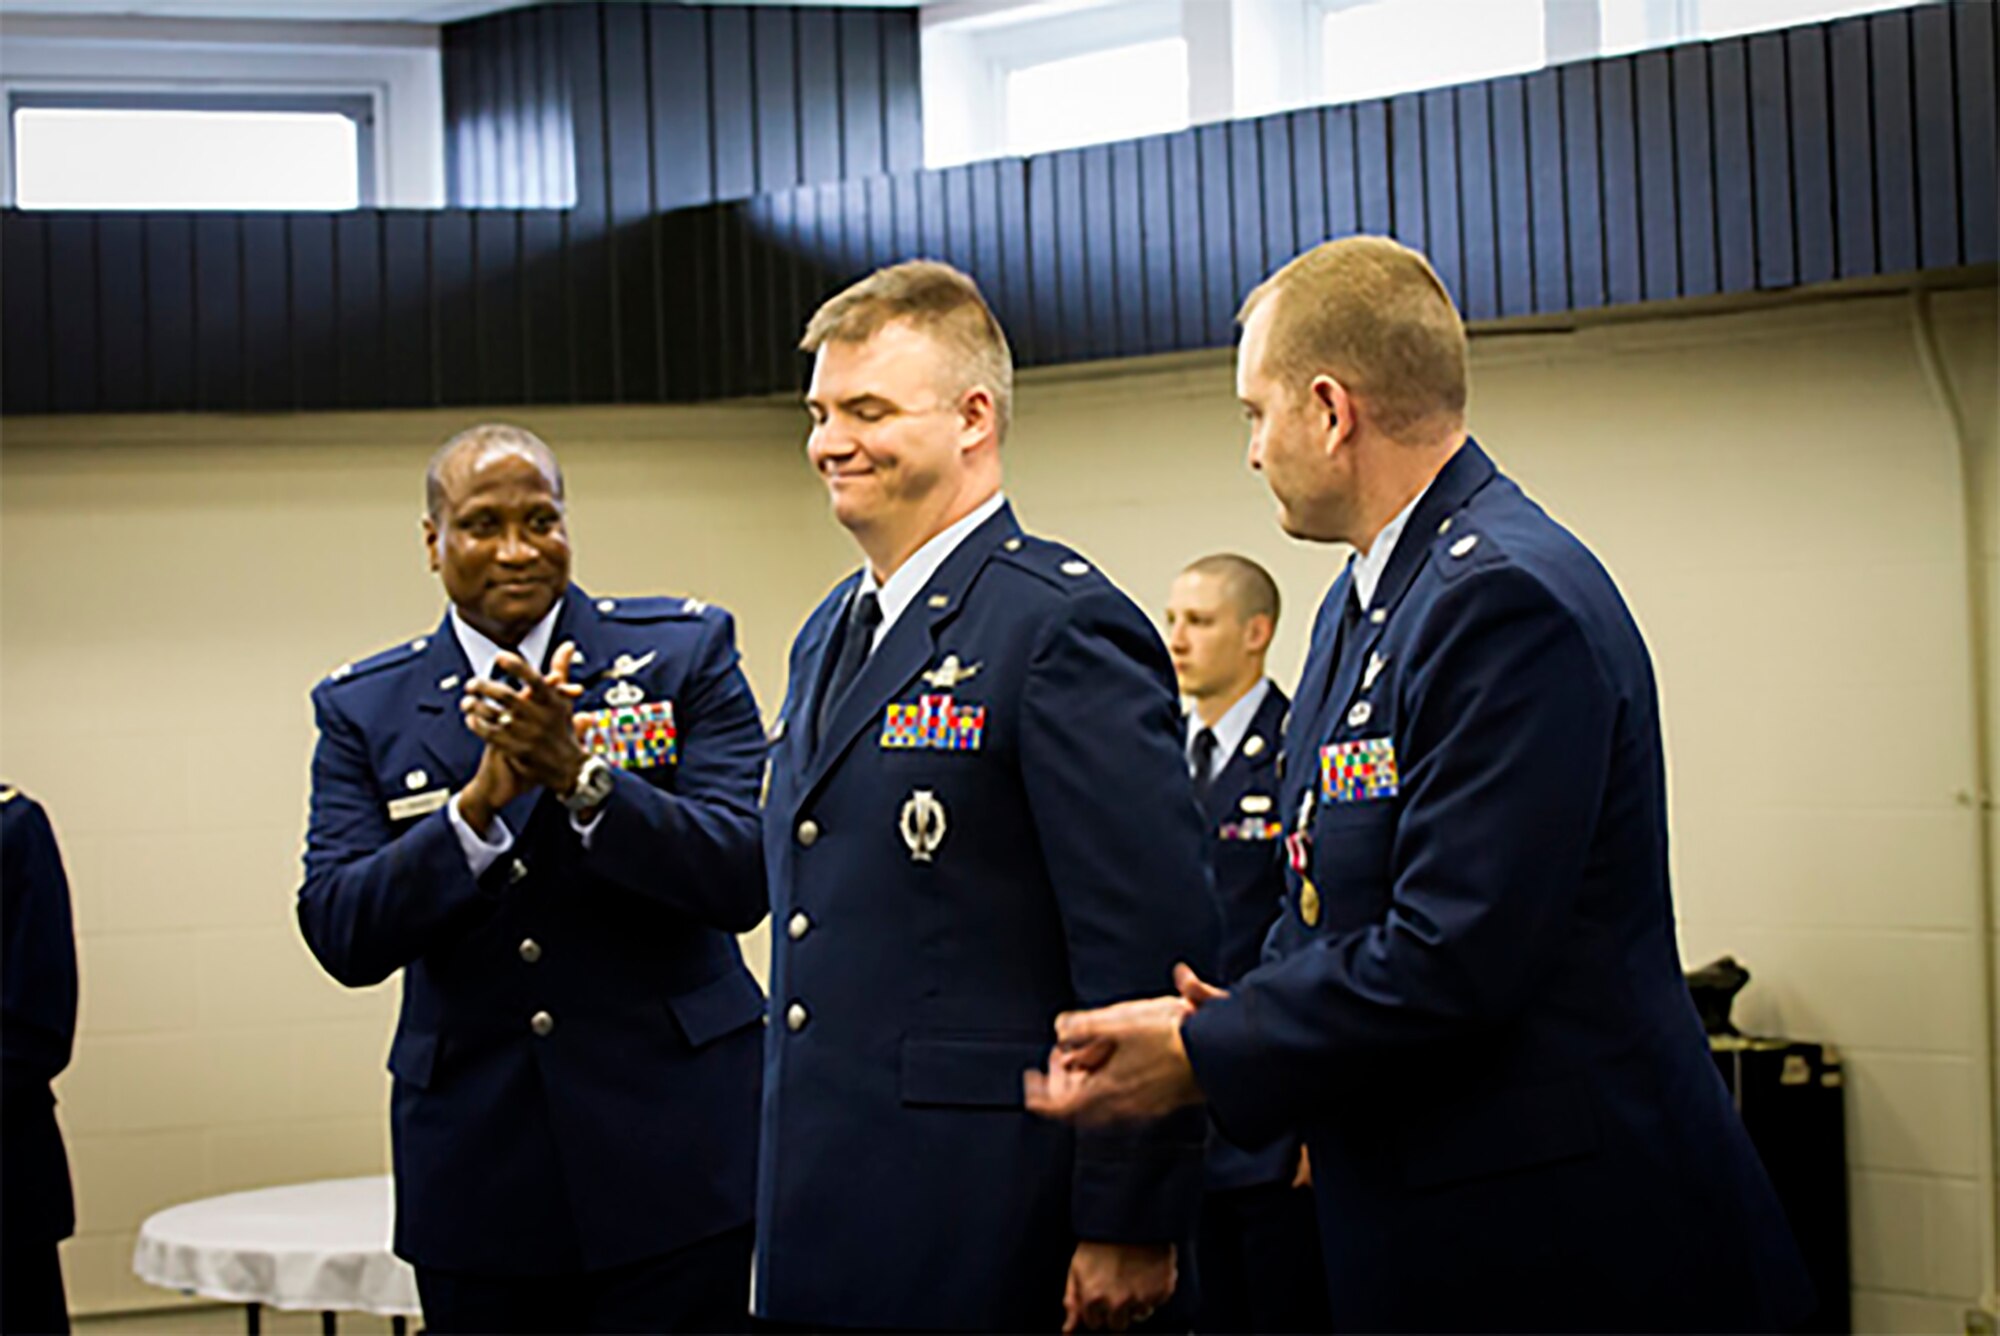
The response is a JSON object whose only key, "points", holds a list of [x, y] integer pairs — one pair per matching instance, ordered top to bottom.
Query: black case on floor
{"points": [[1790, 1096]]}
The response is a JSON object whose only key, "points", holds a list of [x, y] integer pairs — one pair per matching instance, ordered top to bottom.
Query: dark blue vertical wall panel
{"points": [[677, 38], [775, 56], [819, 96], [902, 102], [732, 106], [862, 106], [1937, 135], [1895, 143], [1619, 146], [1853, 148], [1812, 153], [1274, 154], [1371, 168], [1406, 170], [1735, 171], [1307, 179], [1694, 180], [1343, 182], [1583, 188], [1549, 190], [1659, 195], [1246, 198], [1979, 200], [1011, 217], [1156, 231], [1218, 236], [1443, 238], [1512, 248], [1128, 249], [1190, 255], [357, 259], [1045, 279], [1479, 282], [406, 284], [1073, 289], [121, 298], [218, 300], [545, 310], [24, 312], [73, 312], [315, 312], [267, 313], [455, 315], [170, 319], [500, 342]]}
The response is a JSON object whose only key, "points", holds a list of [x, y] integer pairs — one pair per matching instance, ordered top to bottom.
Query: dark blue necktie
{"points": [[857, 639], [1202, 757]]}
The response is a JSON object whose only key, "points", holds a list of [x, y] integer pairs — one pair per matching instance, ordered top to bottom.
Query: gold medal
{"points": [[1309, 904]]}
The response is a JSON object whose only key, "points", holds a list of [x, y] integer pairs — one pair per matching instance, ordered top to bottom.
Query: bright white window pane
{"points": [[1726, 18], [1397, 46], [1121, 93], [141, 158]]}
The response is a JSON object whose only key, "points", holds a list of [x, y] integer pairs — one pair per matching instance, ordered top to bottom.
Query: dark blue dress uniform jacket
{"points": [[1246, 849], [37, 1023], [1512, 1113], [628, 1129], [901, 1183]]}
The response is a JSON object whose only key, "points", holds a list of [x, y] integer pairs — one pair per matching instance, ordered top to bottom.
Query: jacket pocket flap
{"points": [[719, 1007], [412, 1055], [972, 1072], [1514, 1129]]}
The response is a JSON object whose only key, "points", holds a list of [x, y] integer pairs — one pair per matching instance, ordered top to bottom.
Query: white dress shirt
{"points": [[1369, 565], [908, 580], [1229, 729]]}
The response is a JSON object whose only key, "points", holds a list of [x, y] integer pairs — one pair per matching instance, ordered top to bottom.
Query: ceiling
{"points": [[338, 11]]}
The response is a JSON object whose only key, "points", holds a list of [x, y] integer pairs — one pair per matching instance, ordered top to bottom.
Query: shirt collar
{"points": [[1370, 565], [908, 580], [481, 652], [1235, 722]]}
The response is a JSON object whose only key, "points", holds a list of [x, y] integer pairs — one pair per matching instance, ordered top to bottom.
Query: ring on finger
{"points": [[506, 718]]}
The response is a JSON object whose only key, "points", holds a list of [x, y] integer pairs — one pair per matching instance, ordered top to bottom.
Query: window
{"points": [[1635, 25], [1378, 48], [1122, 93], [161, 152]]}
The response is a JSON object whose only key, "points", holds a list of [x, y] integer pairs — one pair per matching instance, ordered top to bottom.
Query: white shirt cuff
{"points": [[585, 828], [480, 854]]}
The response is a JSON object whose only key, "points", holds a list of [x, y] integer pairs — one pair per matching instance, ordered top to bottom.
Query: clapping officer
{"points": [[544, 813], [979, 816], [1476, 1016], [1258, 1249]]}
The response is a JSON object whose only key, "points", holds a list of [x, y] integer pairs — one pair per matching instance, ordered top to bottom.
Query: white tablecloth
{"points": [[311, 1246]]}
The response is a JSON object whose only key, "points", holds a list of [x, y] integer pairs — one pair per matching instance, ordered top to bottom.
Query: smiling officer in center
{"points": [[979, 817]]}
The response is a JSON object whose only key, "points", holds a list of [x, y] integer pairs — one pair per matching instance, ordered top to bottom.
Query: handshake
{"points": [[1123, 1063]]}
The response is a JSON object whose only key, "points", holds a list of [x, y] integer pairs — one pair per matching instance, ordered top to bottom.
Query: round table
{"points": [[309, 1246]]}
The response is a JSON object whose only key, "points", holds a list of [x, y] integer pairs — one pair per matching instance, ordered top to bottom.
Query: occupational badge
{"points": [[922, 825]]}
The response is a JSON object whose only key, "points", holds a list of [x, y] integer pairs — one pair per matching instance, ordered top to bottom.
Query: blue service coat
{"points": [[998, 827], [1246, 854], [1476, 1012], [37, 1022], [628, 1128]]}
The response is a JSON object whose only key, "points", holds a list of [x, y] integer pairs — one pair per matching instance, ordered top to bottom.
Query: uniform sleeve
{"points": [[1509, 734], [1123, 842], [697, 849], [375, 900], [39, 984]]}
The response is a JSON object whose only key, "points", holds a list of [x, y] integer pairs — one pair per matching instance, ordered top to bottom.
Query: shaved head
{"points": [[475, 441], [1248, 586]]}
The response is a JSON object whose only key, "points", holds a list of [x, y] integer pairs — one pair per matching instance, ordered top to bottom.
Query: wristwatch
{"points": [[593, 785]]}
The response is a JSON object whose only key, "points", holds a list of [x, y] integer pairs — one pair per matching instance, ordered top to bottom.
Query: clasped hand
{"points": [[530, 733], [1123, 1063]]}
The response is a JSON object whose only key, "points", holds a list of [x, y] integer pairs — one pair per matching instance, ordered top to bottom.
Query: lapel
{"points": [[1463, 475], [904, 651], [1241, 773]]}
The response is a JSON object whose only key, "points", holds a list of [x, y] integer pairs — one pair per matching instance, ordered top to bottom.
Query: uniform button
{"points": [[607, 605], [808, 833], [517, 871], [799, 926], [531, 950], [795, 1017], [541, 1022]]}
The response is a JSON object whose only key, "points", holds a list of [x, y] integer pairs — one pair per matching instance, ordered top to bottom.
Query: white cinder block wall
{"points": [[1777, 492]]}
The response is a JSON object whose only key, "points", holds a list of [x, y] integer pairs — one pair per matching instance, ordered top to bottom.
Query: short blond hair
{"points": [[937, 299], [1374, 315]]}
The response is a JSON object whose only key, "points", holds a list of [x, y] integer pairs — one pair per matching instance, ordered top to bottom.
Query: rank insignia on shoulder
{"points": [[947, 675], [934, 723], [632, 737], [1357, 771]]}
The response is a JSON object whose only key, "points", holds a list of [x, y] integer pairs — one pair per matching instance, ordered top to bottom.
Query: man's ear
{"points": [[1336, 408], [978, 417], [431, 543], [1257, 633]]}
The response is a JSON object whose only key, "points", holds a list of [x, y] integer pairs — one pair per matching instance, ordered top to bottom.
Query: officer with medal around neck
{"points": [[544, 814], [979, 816], [1473, 1010], [1258, 1248]]}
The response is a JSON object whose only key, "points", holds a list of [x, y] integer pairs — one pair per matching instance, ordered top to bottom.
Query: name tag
{"points": [[934, 723], [632, 737], [1358, 771], [418, 804]]}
